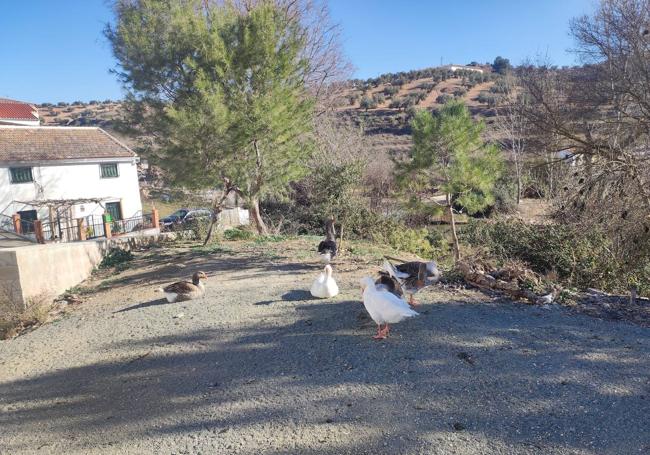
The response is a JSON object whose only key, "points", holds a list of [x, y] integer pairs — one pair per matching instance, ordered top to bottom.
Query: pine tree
{"points": [[222, 91], [449, 155]]}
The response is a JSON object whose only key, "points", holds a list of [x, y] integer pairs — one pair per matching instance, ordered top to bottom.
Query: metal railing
{"points": [[6, 223], [136, 223], [95, 227], [67, 230], [60, 232]]}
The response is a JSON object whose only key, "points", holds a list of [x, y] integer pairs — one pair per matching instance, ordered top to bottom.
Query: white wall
{"points": [[468, 68], [72, 181], [44, 271]]}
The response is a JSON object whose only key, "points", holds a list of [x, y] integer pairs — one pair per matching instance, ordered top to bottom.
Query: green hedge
{"points": [[579, 258]]}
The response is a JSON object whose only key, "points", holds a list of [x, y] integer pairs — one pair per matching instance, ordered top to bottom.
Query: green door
{"points": [[114, 210]]}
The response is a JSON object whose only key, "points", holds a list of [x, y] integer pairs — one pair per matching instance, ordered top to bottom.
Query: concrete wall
{"points": [[73, 180], [233, 217], [48, 270]]}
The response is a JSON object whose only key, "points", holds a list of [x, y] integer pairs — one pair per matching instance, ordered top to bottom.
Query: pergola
{"points": [[58, 208]]}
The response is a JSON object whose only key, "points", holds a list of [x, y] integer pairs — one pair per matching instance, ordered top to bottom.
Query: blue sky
{"points": [[54, 50]]}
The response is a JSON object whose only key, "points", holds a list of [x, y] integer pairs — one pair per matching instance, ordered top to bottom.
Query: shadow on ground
{"points": [[539, 383]]}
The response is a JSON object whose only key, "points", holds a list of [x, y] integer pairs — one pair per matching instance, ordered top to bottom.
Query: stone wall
{"points": [[45, 271]]}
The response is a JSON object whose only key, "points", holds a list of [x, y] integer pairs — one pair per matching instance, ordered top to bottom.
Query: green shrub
{"points": [[500, 86], [391, 90], [459, 92], [367, 103], [505, 197], [198, 227], [392, 232], [238, 234], [270, 238], [411, 240], [116, 257], [580, 258]]}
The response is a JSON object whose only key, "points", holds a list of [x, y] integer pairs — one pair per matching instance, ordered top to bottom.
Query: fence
{"points": [[137, 223], [95, 227], [70, 230], [62, 231]]}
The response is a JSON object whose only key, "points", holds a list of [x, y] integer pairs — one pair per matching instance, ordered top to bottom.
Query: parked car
{"points": [[183, 216]]}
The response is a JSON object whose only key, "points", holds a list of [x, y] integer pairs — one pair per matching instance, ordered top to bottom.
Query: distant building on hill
{"points": [[463, 68], [14, 112]]}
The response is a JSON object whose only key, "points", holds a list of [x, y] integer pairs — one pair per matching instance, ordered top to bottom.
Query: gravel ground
{"points": [[257, 367]]}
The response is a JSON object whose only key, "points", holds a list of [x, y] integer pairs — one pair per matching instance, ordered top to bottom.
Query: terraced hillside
{"points": [[383, 106]]}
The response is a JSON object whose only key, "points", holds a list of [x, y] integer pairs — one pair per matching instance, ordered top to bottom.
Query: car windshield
{"points": [[178, 214]]}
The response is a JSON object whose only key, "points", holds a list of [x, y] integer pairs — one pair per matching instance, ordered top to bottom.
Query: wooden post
{"points": [[155, 217], [16, 220], [107, 227], [81, 228], [38, 231]]}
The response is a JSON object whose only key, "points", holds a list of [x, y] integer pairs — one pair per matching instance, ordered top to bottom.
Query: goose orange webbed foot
{"points": [[381, 333]]}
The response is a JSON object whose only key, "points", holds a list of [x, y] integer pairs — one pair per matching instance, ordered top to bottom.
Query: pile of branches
{"points": [[513, 279]]}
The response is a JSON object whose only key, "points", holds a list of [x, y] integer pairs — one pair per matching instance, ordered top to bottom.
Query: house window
{"points": [[109, 170], [21, 175]]}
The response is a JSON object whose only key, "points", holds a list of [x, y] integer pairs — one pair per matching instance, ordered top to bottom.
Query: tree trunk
{"points": [[517, 167], [217, 208], [257, 217], [213, 222], [453, 229], [341, 240], [633, 295]]}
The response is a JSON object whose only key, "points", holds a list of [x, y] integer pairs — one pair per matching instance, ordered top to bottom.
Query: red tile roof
{"points": [[16, 110], [47, 143]]}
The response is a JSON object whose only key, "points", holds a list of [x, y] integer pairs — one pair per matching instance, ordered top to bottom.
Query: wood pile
{"points": [[514, 280]]}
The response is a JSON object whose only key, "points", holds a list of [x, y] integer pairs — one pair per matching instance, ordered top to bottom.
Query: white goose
{"points": [[324, 286], [384, 307]]}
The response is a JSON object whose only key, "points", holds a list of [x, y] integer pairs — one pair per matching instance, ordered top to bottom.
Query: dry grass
{"points": [[535, 210], [17, 318]]}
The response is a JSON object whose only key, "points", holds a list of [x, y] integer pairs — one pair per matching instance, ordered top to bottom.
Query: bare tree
{"points": [[328, 69], [598, 116], [511, 127]]}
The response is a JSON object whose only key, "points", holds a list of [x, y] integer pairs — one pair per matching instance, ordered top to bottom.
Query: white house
{"points": [[463, 68], [14, 112], [56, 173]]}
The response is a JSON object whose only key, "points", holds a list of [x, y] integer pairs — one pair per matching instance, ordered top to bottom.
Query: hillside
{"points": [[382, 105], [95, 113]]}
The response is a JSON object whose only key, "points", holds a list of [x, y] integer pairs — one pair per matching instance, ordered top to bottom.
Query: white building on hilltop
{"points": [[463, 68], [59, 174]]}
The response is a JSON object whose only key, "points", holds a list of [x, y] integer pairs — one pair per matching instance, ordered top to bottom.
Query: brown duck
{"points": [[413, 276], [186, 290]]}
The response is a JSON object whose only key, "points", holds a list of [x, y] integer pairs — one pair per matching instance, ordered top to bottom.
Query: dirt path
{"points": [[257, 367]]}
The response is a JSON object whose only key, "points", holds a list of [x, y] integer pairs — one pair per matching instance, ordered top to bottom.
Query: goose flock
{"points": [[383, 297]]}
